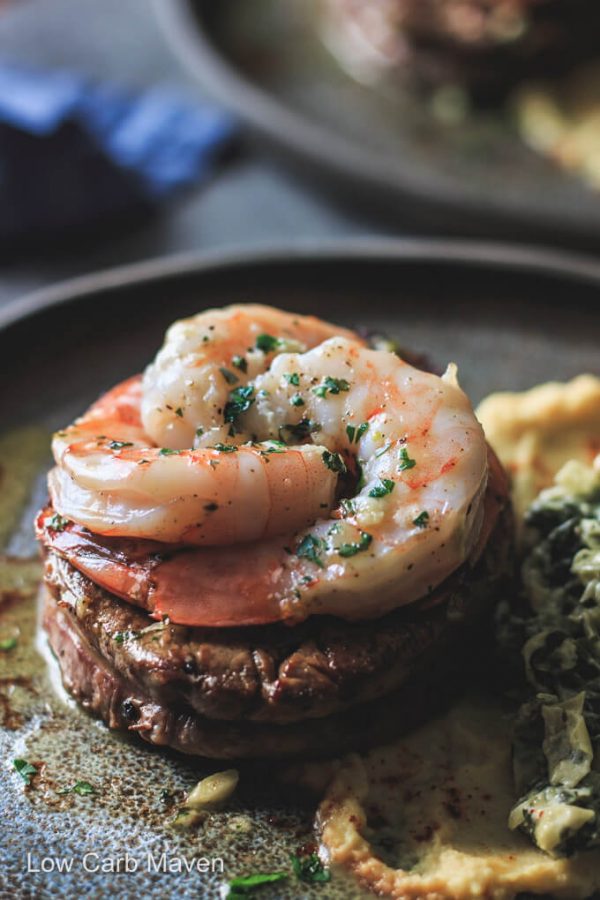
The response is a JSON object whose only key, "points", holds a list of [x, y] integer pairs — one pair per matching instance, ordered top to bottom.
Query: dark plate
{"points": [[264, 59], [508, 317]]}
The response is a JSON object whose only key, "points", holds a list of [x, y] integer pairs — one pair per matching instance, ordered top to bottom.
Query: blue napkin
{"points": [[74, 153]]}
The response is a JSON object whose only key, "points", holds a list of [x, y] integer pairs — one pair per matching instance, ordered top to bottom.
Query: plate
{"points": [[381, 148], [508, 317]]}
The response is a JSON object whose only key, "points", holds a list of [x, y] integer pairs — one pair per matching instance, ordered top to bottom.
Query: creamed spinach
{"points": [[556, 747]]}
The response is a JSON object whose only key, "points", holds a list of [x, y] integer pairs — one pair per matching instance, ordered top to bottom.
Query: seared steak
{"points": [[314, 688]]}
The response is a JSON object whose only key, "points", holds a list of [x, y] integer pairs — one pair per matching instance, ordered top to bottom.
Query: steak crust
{"points": [[273, 691], [122, 704]]}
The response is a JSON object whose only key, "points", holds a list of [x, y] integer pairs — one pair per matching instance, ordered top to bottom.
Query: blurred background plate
{"points": [[376, 147]]}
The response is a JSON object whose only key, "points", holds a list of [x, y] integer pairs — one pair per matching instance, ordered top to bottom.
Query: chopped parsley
{"points": [[267, 343], [240, 363], [229, 376], [292, 378], [331, 386], [240, 400], [296, 400], [179, 412], [302, 429], [199, 431], [355, 432], [118, 445], [273, 447], [225, 448], [383, 450], [166, 451], [405, 461], [334, 462], [361, 475], [385, 487], [347, 507], [422, 520], [57, 522], [310, 547], [352, 549], [119, 637], [8, 643], [25, 769], [83, 788], [310, 869], [248, 884]]}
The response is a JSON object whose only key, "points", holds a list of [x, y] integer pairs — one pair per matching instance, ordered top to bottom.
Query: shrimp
{"points": [[188, 387], [407, 439], [148, 460], [109, 479], [221, 587]]}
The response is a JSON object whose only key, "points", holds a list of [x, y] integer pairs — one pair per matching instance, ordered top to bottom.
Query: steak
{"points": [[315, 688]]}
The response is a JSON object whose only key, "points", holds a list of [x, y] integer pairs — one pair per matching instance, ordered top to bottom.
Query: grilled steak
{"points": [[251, 692]]}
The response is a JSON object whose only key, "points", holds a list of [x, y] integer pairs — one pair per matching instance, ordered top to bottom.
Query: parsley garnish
{"points": [[267, 343], [240, 363], [229, 376], [292, 378], [331, 385], [240, 400], [296, 400], [179, 412], [302, 429], [199, 431], [355, 432], [117, 445], [271, 447], [225, 448], [383, 450], [166, 451], [405, 461], [334, 462], [385, 487], [347, 507], [422, 520], [57, 522], [310, 547], [352, 549], [120, 636], [7, 644], [25, 769], [80, 787], [310, 869], [247, 884]]}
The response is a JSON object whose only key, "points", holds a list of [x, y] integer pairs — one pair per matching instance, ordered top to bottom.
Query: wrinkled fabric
{"points": [[73, 152]]}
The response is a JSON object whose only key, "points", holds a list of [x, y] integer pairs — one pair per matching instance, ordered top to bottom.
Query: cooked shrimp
{"points": [[189, 385], [410, 438], [149, 460], [422, 461], [109, 478], [222, 587]]}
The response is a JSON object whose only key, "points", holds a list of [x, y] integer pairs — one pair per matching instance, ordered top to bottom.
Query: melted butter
{"points": [[22, 453], [427, 816]]}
